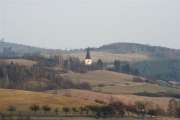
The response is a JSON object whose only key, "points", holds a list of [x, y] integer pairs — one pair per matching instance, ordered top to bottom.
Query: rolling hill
{"points": [[20, 49], [154, 51], [128, 52], [109, 53], [144, 58], [118, 83]]}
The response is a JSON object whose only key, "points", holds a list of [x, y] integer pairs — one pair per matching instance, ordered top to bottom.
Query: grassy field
{"points": [[109, 57], [23, 62], [117, 83], [70, 98], [125, 98], [24, 99]]}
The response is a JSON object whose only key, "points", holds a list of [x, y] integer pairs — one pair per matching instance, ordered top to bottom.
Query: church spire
{"points": [[88, 56], [88, 60]]}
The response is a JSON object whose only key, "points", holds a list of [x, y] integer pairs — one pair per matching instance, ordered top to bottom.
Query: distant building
{"points": [[88, 61]]}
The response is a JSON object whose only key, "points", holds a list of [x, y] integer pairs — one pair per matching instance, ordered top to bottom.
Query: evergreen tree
{"points": [[100, 64]]}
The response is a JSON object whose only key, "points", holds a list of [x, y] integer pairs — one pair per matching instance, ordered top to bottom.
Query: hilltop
{"points": [[21, 49], [122, 51], [155, 51], [129, 52]]}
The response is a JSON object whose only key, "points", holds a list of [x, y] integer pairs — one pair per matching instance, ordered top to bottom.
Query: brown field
{"points": [[109, 57], [22, 62], [116, 83], [24, 99], [127, 99]]}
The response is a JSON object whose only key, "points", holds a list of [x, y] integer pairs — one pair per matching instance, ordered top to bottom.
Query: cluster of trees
{"points": [[74, 64], [124, 67], [161, 69], [11, 75], [39, 77], [174, 108], [113, 109]]}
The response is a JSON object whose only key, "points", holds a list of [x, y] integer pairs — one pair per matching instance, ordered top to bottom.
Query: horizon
{"points": [[83, 23], [3, 40]]}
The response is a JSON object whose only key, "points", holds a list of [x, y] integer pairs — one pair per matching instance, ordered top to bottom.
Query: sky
{"points": [[69, 24]]}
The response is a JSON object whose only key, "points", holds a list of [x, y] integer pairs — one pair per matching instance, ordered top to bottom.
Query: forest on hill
{"points": [[152, 62]]}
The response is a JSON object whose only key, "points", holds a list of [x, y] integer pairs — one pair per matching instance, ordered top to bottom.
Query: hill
{"points": [[20, 49], [122, 51], [155, 51], [127, 52], [143, 58], [119, 83]]}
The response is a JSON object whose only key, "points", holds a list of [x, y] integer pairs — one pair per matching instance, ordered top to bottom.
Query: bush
{"points": [[100, 101], [34, 108], [46, 108], [11, 109], [66, 110]]}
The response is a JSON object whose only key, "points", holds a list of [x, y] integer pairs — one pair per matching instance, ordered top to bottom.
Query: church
{"points": [[88, 61]]}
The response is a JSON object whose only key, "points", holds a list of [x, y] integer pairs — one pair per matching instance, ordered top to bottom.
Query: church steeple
{"points": [[88, 56], [88, 60]]}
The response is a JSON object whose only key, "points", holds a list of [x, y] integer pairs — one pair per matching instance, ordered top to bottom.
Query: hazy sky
{"points": [[81, 23]]}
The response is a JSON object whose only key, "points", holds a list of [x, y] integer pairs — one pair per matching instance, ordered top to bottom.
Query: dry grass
{"points": [[109, 57], [23, 62], [100, 77], [116, 83], [23, 99], [127, 99]]}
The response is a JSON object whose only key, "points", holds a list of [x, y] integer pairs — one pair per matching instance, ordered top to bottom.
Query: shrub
{"points": [[34, 108], [46, 108], [11, 109], [56, 110], [66, 110]]}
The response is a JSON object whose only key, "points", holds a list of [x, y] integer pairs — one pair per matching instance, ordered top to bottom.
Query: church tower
{"points": [[88, 60]]}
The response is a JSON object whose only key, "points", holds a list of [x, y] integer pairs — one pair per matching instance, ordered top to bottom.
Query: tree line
{"points": [[38, 77]]}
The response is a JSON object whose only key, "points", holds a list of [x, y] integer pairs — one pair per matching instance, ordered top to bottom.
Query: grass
{"points": [[23, 62], [117, 83], [125, 98], [24, 99]]}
